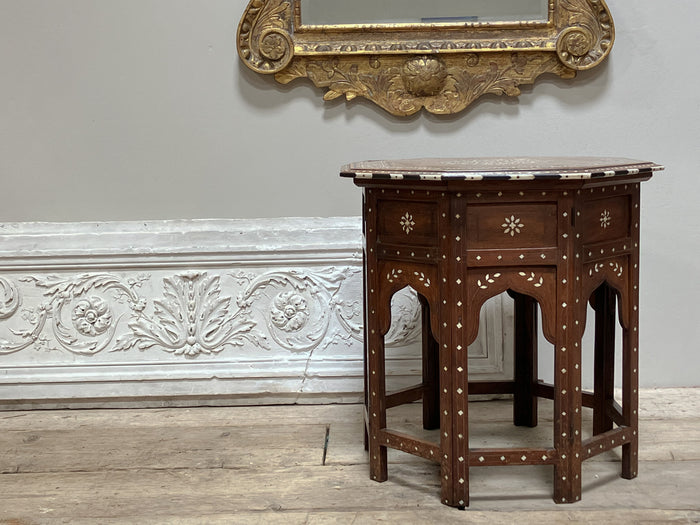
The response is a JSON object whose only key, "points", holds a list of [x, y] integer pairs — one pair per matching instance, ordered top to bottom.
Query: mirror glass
{"points": [[350, 12]]}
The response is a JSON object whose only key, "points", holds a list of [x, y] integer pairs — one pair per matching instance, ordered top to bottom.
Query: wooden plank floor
{"points": [[264, 465]]}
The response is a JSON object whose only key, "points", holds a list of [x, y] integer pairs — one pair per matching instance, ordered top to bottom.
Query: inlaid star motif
{"points": [[407, 223], [512, 226]]}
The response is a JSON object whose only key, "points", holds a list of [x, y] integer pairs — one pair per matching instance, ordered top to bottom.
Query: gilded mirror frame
{"points": [[442, 67]]}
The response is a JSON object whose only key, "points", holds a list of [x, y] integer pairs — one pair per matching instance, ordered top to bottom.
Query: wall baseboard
{"points": [[198, 312]]}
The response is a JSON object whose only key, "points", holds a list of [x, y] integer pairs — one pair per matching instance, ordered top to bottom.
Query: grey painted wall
{"points": [[140, 109]]}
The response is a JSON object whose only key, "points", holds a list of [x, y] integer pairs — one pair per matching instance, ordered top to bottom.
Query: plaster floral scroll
{"points": [[189, 314]]}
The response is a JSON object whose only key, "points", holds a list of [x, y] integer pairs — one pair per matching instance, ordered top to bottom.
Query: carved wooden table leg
{"points": [[465, 328], [630, 346], [374, 348], [567, 358], [604, 359], [431, 374], [525, 396]]}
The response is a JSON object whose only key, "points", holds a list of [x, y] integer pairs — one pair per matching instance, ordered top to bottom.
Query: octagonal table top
{"points": [[498, 168]]}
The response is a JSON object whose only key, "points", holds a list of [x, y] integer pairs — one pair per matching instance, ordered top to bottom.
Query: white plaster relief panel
{"points": [[185, 314], [275, 324]]}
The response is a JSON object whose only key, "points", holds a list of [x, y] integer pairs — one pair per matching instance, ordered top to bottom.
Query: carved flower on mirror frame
{"points": [[273, 46], [424, 76]]}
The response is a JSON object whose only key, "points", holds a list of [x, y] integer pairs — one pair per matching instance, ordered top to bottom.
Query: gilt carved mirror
{"points": [[405, 55]]}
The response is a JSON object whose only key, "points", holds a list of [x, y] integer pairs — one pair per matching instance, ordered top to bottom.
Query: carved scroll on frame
{"points": [[442, 67]]}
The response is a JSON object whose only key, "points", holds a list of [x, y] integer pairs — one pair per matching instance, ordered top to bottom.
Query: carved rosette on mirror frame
{"points": [[442, 67]]}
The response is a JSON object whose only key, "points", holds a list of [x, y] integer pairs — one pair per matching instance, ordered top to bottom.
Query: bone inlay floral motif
{"points": [[407, 223], [512, 226], [488, 279]]}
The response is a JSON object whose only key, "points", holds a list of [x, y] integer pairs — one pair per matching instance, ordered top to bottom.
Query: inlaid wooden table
{"points": [[555, 232]]}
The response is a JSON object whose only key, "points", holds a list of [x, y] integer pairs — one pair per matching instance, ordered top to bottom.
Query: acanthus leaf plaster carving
{"points": [[9, 298], [307, 307], [91, 313], [192, 318], [406, 325], [84, 328]]}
